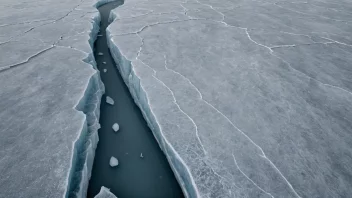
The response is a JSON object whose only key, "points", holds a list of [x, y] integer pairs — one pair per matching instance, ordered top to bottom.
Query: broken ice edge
{"points": [[140, 97], [84, 147]]}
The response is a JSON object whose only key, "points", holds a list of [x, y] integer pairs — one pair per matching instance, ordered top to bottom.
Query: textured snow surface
{"points": [[49, 97], [247, 98], [105, 193]]}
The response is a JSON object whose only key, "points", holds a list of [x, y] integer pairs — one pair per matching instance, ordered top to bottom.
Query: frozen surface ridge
{"points": [[244, 96]]}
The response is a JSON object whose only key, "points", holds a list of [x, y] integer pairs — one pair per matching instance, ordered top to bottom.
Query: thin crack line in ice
{"points": [[336, 10], [146, 14], [311, 14], [136, 16], [56, 20], [52, 21], [26, 22], [154, 24], [298, 35], [249, 37], [338, 42], [303, 44], [70, 47], [272, 52], [27, 60], [4, 68], [318, 81], [175, 101], [178, 106], [197, 135], [167, 142], [263, 154], [234, 159]]}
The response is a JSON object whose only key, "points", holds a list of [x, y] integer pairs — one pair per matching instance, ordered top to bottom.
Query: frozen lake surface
{"points": [[246, 98]]}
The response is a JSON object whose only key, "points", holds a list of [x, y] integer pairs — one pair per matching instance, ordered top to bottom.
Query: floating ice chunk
{"points": [[100, 35], [100, 53], [104, 63], [105, 70], [109, 100], [115, 127], [141, 155], [113, 161], [105, 193]]}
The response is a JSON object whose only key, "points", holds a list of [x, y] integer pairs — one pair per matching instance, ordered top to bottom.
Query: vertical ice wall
{"points": [[140, 96]]}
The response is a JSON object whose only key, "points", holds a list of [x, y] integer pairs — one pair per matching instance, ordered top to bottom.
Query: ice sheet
{"points": [[50, 95], [246, 98]]}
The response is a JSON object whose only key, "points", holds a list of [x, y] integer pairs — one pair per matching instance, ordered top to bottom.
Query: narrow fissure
{"points": [[143, 170]]}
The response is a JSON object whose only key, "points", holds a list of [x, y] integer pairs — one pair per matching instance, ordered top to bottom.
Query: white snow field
{"points": [[50, 96], [247, 98]]}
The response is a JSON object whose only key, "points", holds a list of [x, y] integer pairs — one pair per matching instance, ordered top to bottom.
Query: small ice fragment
{"points": [[100, 35], [100, 53], [104, 63], [105, 70], [109, 100], [115, 127], [141, 155], [113, 161], [105, 193]]}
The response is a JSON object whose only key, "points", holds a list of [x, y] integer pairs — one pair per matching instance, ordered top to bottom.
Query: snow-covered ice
{"points": [[100, 53], [104, 63], [105, 70], [50, 96], [246, 98], [109, 100], [115, 127], [141, 156], [113, 162], [105, 193]]}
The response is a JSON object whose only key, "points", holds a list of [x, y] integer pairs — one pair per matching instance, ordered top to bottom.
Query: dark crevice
{"points": [[135, 176]]}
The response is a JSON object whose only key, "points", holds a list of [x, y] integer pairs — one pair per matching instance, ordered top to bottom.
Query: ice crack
{"points": [[276, 4], [154, 24], [297, 45], [27, 60], [306, 75], [175, 101], [196, 128], [263, 155], [261, 189]]}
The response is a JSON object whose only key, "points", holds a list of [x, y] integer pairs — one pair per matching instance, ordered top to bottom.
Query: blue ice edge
{"points": [[140, 97], [84, 147]]}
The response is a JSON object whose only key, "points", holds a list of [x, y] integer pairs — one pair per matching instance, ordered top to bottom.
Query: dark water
{"points": [[148, 177]]}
